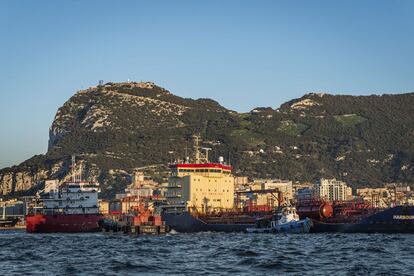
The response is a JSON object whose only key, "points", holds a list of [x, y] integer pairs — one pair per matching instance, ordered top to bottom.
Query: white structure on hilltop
{"points": [[332, 189]]}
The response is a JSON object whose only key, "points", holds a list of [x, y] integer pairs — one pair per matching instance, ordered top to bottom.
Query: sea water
{"points": [[205, 253]]}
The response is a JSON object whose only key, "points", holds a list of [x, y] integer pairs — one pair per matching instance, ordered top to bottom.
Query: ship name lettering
{"points": [[403, 217]]}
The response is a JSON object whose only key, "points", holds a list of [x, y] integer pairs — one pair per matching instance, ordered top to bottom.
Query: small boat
{"points": [[285, 220]]}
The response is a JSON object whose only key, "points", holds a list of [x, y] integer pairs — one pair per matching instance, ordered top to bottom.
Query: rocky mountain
{"points": [[118, 127]]}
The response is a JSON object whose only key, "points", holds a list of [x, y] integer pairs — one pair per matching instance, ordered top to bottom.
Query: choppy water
{"points": [[205, 253]]}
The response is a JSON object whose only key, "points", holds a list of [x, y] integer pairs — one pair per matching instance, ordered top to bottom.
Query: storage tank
{"points": [[315, 211]]}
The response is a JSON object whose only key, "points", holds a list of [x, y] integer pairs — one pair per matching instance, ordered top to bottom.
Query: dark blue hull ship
{"points": [[399, 219], [186, 222]]}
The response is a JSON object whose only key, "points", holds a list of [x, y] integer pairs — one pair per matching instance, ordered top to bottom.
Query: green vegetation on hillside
{"points": [[349, 119], [291, 128], [366, 141]]}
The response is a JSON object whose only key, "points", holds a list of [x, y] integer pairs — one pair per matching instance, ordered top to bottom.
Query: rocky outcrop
{"points": [[20, 181]]}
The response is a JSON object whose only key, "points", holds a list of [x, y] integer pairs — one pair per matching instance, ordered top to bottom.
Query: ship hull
{"points": [[399, 219], [8, 222], [40, 223], [186, 223], [294, 227]]}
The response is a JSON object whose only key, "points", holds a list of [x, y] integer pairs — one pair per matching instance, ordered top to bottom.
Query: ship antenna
{"points": [[196, 149], [206, 154], [73, 168], [80, 172]]}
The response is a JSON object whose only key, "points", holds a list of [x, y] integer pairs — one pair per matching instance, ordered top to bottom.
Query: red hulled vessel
{"points": [[70, 208], [40, 223]]}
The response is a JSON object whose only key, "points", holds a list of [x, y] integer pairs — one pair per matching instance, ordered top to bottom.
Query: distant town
{"points": [[248, 194]]}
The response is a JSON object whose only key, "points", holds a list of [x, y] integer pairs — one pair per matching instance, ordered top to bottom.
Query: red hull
{"points": [[40, 223]]}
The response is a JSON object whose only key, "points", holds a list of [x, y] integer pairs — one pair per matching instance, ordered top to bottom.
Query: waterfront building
{"points": [[241, 180], [140, 186], [284, 186], [333, 190], [306, 194], [378, 197], [128, 202], [103, 206]]}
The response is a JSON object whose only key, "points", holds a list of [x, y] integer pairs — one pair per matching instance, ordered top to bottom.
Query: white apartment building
{"points": [[332, 189]]}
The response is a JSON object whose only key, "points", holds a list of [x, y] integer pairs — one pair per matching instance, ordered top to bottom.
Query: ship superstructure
{"points": [[201, 186], [71, 198]]}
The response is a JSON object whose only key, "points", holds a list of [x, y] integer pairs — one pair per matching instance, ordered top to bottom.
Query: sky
{"points": [[244, 54]]}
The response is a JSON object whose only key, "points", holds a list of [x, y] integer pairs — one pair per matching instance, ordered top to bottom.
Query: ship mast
{"points": [[196, 149], [199, 157], [73, 168], [76, 173], [4, 209]]}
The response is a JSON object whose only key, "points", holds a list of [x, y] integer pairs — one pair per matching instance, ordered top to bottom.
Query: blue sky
{"points": [[243, 54]]}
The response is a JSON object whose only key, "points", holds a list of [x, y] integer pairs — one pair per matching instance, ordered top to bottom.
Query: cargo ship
{"points": [[200, 196], [71, 207], [358, 217]]}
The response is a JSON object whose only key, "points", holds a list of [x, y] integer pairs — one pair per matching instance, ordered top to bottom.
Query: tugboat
{"points": [[71, 207], [285, 220]]}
